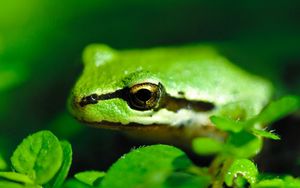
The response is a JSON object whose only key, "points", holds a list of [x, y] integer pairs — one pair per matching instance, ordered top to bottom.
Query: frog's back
{"points": [[196, 72], [199, 73]]}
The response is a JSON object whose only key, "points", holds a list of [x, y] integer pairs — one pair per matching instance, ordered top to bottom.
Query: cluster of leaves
{"points": [[245, 137], [41, 160]]}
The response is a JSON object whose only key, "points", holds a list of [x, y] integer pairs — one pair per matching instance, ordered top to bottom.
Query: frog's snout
{"points": [[74, 105]]}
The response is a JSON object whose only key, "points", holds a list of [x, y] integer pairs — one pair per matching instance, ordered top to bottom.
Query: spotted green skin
{"points": [[198, 71]]}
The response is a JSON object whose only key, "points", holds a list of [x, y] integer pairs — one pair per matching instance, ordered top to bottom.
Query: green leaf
{"points": [[278, 109], [274, 111], [227, 124], [265, 134], [243, 145], [207, 146], [39, 156], [146, 167], [241, 168], [14, 176], [60, 177], [89, 177], [185, 180], [287, 181], [73, 183], [270, 183], [8, 184]]}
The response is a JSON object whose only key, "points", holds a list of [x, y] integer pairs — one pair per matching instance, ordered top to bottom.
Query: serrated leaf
{"points": [[278, 109], [274, 111], [227, 124], [265, 134], [207, 146], [39, 156], [146, 167], [241, 168], [14, 176], [60, 177], [89, 177]]}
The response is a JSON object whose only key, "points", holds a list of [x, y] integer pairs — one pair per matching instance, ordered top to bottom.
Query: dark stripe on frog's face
{"points": [[94, 98], [166, 101], [175, 104]]}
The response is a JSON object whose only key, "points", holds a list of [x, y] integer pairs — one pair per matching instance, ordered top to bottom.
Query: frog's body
{"points": [[184, 85]]}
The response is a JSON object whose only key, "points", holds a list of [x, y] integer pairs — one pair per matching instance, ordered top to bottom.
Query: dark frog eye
{"points": [[145, 96]]}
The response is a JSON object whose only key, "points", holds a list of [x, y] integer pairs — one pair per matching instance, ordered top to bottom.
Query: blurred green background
{"points": [[40, 59]]}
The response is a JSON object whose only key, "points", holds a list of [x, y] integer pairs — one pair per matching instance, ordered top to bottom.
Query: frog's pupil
{"points": [[143, 95]]}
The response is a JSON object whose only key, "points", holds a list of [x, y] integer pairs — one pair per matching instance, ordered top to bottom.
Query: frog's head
{"points": [[122, 88]]}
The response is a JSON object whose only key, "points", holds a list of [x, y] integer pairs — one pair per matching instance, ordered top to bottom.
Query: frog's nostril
{"points": [[91, 99]]}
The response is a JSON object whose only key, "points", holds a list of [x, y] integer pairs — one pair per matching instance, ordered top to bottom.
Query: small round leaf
{"points": [[207, 146], [39, 156], [146, 167], [243, 168], [89, 177]]}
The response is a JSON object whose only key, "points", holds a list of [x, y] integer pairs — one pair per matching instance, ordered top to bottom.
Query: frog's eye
{"points": [[145, 96]]}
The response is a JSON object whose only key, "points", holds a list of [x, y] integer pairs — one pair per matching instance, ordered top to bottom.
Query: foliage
{"points": [[40, 47], [245, 137], [41, 160]]}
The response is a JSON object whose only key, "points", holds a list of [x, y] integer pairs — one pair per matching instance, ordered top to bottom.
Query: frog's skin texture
{"points": [[195, 82]]}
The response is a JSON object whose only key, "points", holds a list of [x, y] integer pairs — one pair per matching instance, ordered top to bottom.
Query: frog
{"points": [[164, 94]]}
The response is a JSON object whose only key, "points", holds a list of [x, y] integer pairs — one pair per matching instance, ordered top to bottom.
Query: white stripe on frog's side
{"points": [[183, 117]]}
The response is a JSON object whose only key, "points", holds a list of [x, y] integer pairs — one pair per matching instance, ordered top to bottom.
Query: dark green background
{"points": [[40, 59]]}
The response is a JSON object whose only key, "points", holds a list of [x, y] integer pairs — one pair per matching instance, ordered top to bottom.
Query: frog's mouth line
{"points": [[168, 102], [129, 126], [136, 126], [162, 132]]}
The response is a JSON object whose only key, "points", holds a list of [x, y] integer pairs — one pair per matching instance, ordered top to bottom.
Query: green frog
{"points": [[165, 94]]}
